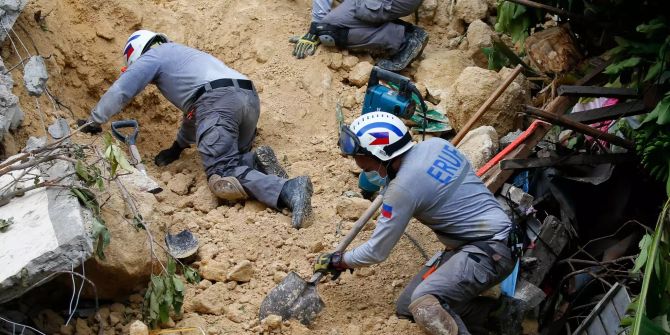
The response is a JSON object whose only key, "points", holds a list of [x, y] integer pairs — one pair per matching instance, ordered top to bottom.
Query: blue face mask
{"points": [[374, 178]]}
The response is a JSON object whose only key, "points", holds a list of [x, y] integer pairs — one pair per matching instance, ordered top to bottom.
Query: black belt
{"points": [[219, 83]]}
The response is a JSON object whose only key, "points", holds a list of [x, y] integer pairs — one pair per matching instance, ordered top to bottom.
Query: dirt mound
{"points": [[84, 39]]}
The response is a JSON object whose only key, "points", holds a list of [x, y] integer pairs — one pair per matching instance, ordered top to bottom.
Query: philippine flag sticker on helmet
{"points": [[129, 51], [381, 138]]}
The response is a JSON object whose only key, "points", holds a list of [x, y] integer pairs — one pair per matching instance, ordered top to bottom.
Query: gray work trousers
{"points": [[369, 23], [225, 128], [462, 275]]}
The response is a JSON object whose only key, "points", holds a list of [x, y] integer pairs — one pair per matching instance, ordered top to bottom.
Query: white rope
{"points": [[23, 327]]}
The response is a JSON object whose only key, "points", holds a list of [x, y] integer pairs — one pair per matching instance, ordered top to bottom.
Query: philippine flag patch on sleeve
{"points": [[387, 211]]}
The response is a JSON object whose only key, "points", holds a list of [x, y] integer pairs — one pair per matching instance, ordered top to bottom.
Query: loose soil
{"points": [[82, 41]]}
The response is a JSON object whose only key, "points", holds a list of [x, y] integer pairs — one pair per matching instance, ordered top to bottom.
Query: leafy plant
{"points": [[516, 20], [115, 156], [5, 223], [100, 232], [165, 293], [651, 309]]}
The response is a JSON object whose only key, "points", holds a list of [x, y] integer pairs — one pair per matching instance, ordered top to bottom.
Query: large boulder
{"points": [[471, 10], [9, 12], [479, 36], [439, 69], [470, 91], [479, 146], [128, 258]]}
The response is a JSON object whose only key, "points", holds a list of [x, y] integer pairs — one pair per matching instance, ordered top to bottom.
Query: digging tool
{"points": [[147, 184], [182, 245], [296, 298]]}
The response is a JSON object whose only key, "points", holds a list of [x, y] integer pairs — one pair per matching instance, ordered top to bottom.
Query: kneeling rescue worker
{"points": [[366, 25], [221, 110], [433, 182]]}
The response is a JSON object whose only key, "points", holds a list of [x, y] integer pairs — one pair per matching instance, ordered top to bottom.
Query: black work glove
{"points": [[306, 45], [91, 128], [169, 155], [332, 264]]}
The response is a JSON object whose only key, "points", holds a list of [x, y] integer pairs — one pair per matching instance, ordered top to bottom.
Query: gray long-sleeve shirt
{"points": [[320, 8], [177, 70], [435, 184]]}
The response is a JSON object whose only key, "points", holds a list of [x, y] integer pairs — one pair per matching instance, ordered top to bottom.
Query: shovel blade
{"points": [[182, 245], [293, 298]]}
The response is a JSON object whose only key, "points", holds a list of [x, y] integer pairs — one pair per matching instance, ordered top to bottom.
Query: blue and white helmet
{"points": [[137, 44], [382, 134]]}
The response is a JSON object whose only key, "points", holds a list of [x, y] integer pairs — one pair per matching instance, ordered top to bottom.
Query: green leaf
{"points": [[652, 27], [624, 64], [653, 72], [663, 111], [107, 139], [121, 159], [5, 223], [101, 236], [644, 244], [171, 266], [191, 275], [178, 285], [164, 312]]}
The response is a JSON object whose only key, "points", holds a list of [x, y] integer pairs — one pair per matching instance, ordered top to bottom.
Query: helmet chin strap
{"points": [[390, 171]]}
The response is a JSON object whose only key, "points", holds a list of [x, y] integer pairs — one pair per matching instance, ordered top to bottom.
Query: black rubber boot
{"points": [[412, 47], [169, 155], [267, 160], [297, 196]]}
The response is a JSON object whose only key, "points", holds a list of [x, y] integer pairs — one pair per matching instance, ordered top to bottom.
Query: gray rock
{"points": [[9, 12], [35, 76], [59, 128], [509, 138], [34, 143], [479, 145], [51, 232]]}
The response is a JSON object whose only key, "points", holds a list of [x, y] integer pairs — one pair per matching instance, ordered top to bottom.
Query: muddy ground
{"points": [[83, 41]]}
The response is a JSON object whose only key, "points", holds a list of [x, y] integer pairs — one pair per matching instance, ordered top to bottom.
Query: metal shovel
{"points": [[147, 184], [296, 298]]}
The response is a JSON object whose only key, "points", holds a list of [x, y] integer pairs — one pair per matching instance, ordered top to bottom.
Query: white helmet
{"points": [[137, 44], [379, 134]]}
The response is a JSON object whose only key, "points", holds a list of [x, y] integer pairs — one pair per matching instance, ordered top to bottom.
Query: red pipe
{"points": [[509, 148]]}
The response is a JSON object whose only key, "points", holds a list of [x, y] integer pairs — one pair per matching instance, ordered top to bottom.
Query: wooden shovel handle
{"points": [[492, 98], [358, 226]]}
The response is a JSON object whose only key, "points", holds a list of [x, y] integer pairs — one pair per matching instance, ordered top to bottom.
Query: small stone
{"points": [[471, 10], [336, 59], [349, 62], [360, 74], [35, 76], [349, 101], [479, 145], [166, 176], [180, 183], [204, 200], [352, 208], [316, 247], [208, 251], [213, 270], [242, 272], [364, 272], [278, 276], [396, 283], [204, 284], [231, 285], [136, 298], [210, 300], [117, 307], [104, 313], [235, 315], [115, 317], [272, 321], [137, 327], [83, 328], [353, 329], [67, 330]]}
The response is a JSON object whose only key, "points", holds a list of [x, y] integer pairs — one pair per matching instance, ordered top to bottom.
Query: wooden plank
{"points": [[596, 92], [610, 112], [579, 127], [578, 159], [495, 177], [554, 237], [606, 315], [596, 328]]}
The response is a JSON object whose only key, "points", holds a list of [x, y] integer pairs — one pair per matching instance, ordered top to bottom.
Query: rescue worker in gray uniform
{"points": [[368, 25], [221, 109], [433, 182]]}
